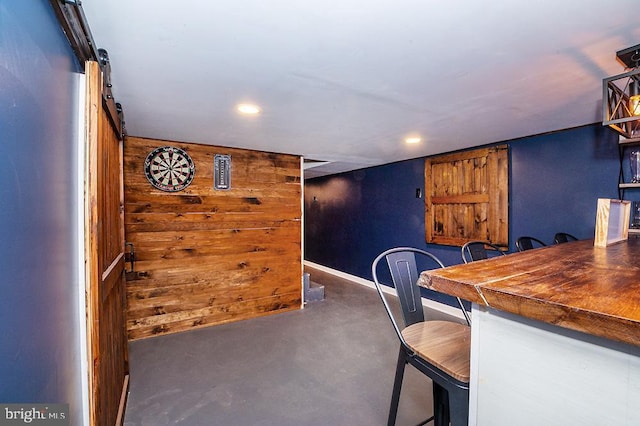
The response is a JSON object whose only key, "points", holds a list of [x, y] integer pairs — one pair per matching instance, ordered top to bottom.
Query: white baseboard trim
{"points": [[427, 303]]}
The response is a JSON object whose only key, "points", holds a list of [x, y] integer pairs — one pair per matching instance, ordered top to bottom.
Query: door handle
{"points": [[130, 256]]}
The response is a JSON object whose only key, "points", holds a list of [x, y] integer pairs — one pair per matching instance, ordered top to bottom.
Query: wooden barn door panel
{"points": [[467, 197], [104, 235]]}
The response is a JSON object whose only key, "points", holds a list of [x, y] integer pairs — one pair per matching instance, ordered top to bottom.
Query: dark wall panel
{"points": [[555, 181], [39, 321]]}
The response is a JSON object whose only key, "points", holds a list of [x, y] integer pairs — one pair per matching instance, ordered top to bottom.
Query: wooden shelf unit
{"points": [[629, 142], [623, 145]]}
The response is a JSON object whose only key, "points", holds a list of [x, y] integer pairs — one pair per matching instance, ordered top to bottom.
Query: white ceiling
{"points": [[344, 81]]}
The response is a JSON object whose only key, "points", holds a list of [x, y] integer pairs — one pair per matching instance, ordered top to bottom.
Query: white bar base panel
{"points": [[529, 373]]}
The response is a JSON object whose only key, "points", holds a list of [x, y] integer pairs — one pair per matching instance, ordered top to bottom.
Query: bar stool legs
{"points": [[397, 386], [440, 405], [459, 408], [444, 411]]}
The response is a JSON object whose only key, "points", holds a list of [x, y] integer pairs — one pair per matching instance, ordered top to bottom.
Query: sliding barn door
{"points": [[104, 242]]}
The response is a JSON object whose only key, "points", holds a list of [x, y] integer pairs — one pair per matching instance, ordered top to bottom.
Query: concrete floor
{"points": [[329, 364]]}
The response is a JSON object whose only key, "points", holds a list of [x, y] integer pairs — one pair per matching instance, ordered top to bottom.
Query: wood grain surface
{"points": [[467, 197], [206, 256], [595, 290], [445, 344], [107, 348]]}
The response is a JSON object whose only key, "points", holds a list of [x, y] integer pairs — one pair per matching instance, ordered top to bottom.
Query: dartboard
{"points": [[169, 169]]}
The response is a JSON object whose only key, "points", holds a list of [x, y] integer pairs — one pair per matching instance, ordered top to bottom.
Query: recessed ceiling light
{"points": [[250, 109], [413, 139]]}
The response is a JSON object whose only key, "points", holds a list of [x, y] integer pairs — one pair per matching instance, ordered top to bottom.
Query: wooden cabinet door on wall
{"points": [[467, 197]]}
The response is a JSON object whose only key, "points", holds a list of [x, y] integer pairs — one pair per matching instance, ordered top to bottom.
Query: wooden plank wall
{"points": [[206, 256]]}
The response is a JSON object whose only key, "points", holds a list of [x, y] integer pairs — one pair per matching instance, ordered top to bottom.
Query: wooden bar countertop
{"points": [[573, 285]]}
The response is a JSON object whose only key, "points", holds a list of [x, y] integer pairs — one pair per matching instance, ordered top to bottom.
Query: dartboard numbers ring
{"points": [[169, 169]]}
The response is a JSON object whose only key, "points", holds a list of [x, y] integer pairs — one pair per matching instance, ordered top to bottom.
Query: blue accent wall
{"points": [[555, 180], [40, 358]]}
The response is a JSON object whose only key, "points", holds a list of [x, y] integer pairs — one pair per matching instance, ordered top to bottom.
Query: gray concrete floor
{"points": [[331, 363]]}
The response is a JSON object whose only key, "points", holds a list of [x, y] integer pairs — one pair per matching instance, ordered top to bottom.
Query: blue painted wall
{"points": [[555, 182], [39, 286]]}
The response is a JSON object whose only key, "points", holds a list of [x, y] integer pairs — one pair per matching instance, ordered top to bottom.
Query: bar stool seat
{"points": [[443, 343]]}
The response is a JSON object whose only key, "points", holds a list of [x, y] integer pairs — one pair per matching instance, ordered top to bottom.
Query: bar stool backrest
{"points": [[563, 237], [528, 243], [478, 250]]}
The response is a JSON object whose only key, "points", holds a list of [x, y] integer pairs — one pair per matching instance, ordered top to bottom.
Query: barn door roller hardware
{"points": [[74, 24], [115, 110]]}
